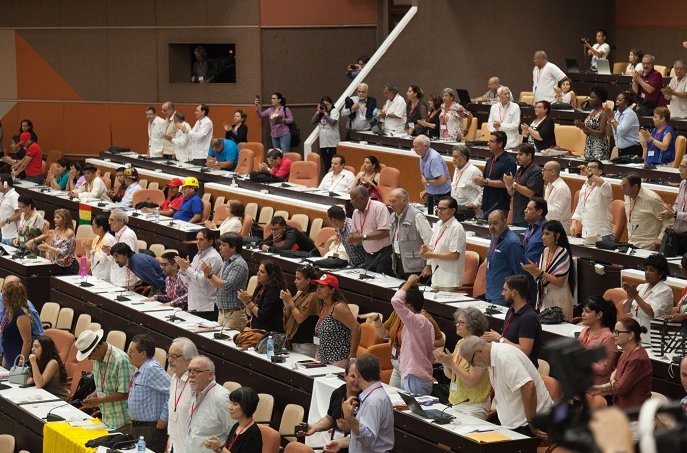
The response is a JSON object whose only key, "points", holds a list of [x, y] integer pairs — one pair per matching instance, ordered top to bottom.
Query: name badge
{"points": [[651, 153], [316, 341], [394, 352], [454, 386], [100, 394], [173, 416]]}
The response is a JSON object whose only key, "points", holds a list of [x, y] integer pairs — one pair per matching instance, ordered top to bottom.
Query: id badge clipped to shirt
{"points": [[316, 341], [454, 386], [173, 416]]}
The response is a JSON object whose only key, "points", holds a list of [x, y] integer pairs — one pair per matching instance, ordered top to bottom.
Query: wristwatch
{"points": [[486, 182], [502, 339]]}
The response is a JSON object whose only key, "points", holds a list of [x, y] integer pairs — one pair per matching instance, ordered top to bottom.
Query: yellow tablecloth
{"points": [[59, 437]]}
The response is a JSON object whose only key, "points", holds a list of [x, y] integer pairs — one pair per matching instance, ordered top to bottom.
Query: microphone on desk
{"points": [[205, 170], [286, 184], [481, 221], [311, 252], [364, 275], [429, 280], [120, 297], [173, 317], [220, 335], [50, 417], [441, 420]]}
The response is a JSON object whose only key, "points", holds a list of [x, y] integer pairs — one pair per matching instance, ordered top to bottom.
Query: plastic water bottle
{"points": [[157, 215], [83, 267], [270, 347], [141, 445]]}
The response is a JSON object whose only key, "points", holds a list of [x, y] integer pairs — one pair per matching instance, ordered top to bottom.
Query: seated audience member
{"points": [[599, 51], [634, 62], [647, 85], [676, 91], [564, 93], [491, 96], [416, 110], [393, 113], [505, 116], [451, 117], [326, 118], [432, 124], [626, 127], [237, 132], [540, 132], [182, 141], [660, 141], [596, 145], [223, 154], [32, 162], [277, 165], [58, 175], [434, 175], [76, 176], [369, 177], [338, 179], [526, 184], [132, 186], [93, 187], [464, 189], [116, 193], [557, 194], [495, 195], [173, 200], [642, 206], [191, 209], [678, 210], [593, 212], [234, 221], [371, 225], [32, 228], [344, 229], [409, 231], [285, 237], [61, 245], [445, 252], [504, 256], [99, 261], [144, 266], [555, 273], [176, 290], [653, 299], [264, 306], [301, 311], [598, 319], [522, 327], [337, 330], [415, 359], [47, 369], [630, 383], [470, 389], [519, 391], [333, 420], [244, 436]]}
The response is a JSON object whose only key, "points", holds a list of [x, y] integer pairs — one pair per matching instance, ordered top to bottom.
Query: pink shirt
{"points": [[376, 217], [417, 340]]}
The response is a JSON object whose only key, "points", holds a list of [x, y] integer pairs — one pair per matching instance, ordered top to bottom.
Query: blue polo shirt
{"points": [[230, 152], [432, 166], [189, 208], [504, 257]]}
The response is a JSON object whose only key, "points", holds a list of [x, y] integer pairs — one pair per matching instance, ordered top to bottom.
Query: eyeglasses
{"points": [[442, 209], [459, 323], [618, 332], [174, 356], [195, 371]]}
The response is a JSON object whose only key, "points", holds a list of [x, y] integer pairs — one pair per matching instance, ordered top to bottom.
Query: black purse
{"points": [[670, 243]]}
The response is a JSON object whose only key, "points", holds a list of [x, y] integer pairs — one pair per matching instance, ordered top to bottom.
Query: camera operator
{"points": [[598, 51], [354, 69], [359, 110], [327, 119]]}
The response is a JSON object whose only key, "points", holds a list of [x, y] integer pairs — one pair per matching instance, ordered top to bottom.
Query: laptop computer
{"points": [[573, 67], [603, 67], [463, 96], [433, 414]]}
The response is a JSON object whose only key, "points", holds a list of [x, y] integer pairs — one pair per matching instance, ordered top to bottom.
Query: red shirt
{"points": [[35, 167], [283, 170], [174, 204]]}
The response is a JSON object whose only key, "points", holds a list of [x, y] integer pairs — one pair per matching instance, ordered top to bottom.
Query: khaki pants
{"points": [[236, 320]]}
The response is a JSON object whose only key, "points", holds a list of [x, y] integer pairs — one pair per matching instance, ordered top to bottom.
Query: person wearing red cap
{"points": [[32, 163], [173, 201], [337, 332]]}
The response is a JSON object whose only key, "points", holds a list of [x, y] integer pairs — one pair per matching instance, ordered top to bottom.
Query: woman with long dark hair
{"points": [[416, 111], [280, 117], [33, 229], [100, 262], [555, 274], [265, 306], [301, 311], [47, 369], [244, 436]]}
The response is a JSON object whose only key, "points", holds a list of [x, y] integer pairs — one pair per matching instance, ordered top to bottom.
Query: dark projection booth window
{"points": [[202, 63]]}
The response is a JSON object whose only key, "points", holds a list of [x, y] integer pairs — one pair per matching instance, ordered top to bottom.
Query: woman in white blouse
{"points": [[233, 222], [445, 253], [100, 262], [653, 299]]}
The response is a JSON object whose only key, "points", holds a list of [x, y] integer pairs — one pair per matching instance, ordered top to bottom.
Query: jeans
{"points": [[283, 142], [326, 155], [72, 269], [417, 386]]}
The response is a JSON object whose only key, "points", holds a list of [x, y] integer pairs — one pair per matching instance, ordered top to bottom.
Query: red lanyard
{"points": [[491, 167], [587, 194], [633, 203], [363, 216], [441, 233], [119, 234], [507, 323], [104, 376], [371, 392], [176, 400], [194, 408], [237, 434]]}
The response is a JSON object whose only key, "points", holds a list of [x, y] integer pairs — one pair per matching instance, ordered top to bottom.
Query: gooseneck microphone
{"points": [[364, 275], [50, 417]]}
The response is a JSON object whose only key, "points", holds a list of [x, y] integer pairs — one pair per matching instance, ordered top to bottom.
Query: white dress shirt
{"points": [[544, 80], [678, 106], [398, 108], [509, 117], [170, 129], [156, 132], [200, 138], [182, 144], [341, 182], [463, 187], [95, 190], [128, 196], [558, 198], [8, 206], [680, 208], [594, 209], [643, 228], [448, 237], [101, 262], [122, 276], [202, 295], [660, 297], [180, 399], [210, 417]]}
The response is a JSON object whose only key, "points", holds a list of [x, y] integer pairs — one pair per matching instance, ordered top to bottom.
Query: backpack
{"points": [[86, 387]]}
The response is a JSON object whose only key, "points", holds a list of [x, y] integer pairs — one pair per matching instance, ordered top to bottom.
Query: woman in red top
{"points": [[630, 383]]}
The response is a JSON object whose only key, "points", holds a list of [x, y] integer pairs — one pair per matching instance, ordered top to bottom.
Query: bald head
{"points": [[540, 58], [421, 145], [552, 171], [398, 200]]}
